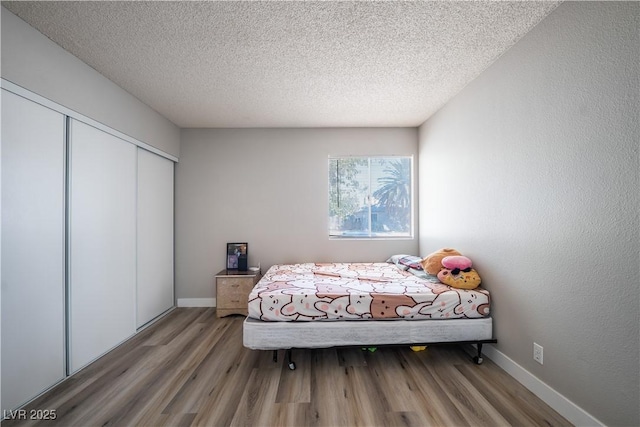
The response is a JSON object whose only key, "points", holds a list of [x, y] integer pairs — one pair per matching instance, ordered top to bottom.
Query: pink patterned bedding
{"points": [[358, 291]]}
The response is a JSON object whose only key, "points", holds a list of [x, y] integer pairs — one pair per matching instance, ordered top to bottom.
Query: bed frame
{"points": [[261, 335], [476, 359]]}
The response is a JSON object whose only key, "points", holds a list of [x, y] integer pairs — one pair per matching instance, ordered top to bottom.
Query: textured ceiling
{"points": [[287, 64]]}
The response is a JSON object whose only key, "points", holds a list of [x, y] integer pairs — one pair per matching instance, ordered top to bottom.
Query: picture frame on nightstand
{"points": [[237, 254]]}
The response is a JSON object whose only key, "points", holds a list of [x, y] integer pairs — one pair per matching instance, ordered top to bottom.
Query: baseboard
{"points": [[196, 302], [572, 412]]}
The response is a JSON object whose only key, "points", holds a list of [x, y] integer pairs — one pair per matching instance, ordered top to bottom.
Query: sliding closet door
{"points": [[33, 159], [155, 236], [102, 243]]}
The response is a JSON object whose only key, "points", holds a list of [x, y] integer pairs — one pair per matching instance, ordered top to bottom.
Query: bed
{"points": [[321, 305]]}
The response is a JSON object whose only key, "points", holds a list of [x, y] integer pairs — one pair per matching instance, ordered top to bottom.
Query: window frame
{"points": [[371, 234]]}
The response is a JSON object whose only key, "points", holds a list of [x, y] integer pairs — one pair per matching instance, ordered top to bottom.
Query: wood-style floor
{"points": [[190, 369]]}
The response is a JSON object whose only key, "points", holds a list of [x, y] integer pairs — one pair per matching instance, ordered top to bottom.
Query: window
{"points": [[370, 197]]}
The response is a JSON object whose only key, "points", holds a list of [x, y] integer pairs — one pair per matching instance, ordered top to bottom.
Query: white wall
{"points": [[31, 60], [532, 171], [268, 187]]}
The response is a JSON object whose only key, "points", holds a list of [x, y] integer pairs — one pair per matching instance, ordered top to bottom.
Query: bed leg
{"points": [[275, 356], [478, 359], [292, 364]]}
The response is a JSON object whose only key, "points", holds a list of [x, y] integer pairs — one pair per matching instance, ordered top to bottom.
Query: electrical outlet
{"points": [[537, 353]]}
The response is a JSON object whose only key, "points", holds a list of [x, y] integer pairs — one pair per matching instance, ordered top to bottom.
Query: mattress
{"points": [[359, 291], [259, 335]]}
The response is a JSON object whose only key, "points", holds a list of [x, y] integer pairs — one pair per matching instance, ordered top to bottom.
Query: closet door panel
{"points": [[155, 236], [102, 243], [33, 259]]}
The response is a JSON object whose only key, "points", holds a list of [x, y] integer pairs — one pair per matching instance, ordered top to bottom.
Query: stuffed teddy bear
{"points": [[432, 264], [457, 273]]}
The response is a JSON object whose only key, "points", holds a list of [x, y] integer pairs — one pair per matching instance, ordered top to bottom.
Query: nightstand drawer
{"points": [[233, 293]]}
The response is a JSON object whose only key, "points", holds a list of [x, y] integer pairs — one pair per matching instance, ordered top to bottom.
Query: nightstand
{"points": [[232, 291]]}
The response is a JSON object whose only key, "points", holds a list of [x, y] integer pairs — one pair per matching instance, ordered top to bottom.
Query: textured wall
{"points": [[31, 60], [532, 171], [268, 187]]}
